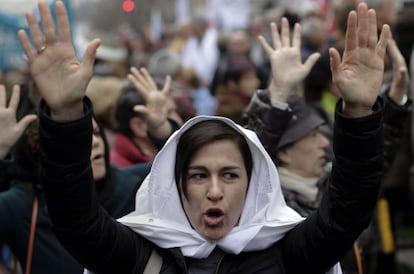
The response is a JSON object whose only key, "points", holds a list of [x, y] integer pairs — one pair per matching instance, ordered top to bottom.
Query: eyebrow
{"points": [[226, 168]]}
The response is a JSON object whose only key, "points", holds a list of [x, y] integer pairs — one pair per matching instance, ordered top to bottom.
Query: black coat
{"points": [[314, 246]]}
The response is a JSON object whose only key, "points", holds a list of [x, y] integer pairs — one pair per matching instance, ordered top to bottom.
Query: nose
{"points": [[95, 140], [323, 141], [215, 191]]}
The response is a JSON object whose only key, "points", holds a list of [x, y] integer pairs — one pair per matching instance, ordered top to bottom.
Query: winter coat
{"points": [[313, 246]]}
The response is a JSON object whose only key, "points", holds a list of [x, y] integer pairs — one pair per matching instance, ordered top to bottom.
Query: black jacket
{"points": [[314, 246]]}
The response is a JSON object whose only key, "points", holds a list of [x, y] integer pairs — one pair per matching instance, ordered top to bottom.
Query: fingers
{"points": [[47, 22], [63, 22], [372, 30], [362, 31], [35, 32], [285, 33], [48, 36], [275, 36], [350, 36], [296, 39], [282, 40], [383, 40], [267, 48], [29, 51], [89, 56], [335, 61], [137, 79], [149, 80], [143, 81], [167, 86], [2, 96], [15, 97]]}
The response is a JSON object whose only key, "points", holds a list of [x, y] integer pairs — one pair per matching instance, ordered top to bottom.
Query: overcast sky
{"points": [[17, 6], [21, 6]]}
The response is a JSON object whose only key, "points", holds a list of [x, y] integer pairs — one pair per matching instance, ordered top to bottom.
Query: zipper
{"points": [[219, 263]]}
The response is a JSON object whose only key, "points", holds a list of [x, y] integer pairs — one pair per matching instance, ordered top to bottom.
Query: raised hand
{"points": [[288, 71], [358, 76], [61, 78], [400, 83], [158, 102], [10, 129]]}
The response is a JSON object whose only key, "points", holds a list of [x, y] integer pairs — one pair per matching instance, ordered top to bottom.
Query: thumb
{"points": [[90, 53], [335, 60], [310, 62], [141, 109], [26, 120]]}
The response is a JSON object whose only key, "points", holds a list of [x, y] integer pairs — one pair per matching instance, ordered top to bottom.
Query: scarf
{"points": [[306, 188]]}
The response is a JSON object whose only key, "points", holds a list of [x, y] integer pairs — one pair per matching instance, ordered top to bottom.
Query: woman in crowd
{"points": [[19, 151], [212, 201]]}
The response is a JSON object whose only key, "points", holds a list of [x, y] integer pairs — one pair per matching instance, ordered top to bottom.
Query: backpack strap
{"points": [[154, 264]]}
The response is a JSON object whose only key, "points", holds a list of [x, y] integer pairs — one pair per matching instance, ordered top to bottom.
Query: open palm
{"points": [[359, 75], [61, 78]]}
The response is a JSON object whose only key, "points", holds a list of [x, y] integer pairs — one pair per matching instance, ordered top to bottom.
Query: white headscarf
{"points": [[160, 218]]}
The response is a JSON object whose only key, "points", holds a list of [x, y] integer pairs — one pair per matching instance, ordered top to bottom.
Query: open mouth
{"points": [[97, 157], [214, 213], [213, 217]]}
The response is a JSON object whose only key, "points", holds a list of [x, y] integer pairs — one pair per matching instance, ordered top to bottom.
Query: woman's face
{"points": [[249, 83], [97, 154], [307, 156], [216, 189]]}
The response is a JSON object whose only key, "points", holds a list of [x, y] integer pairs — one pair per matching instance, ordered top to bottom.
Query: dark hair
{"points": [[234, 69], [124, 112], [199, 135], [106, 185]]}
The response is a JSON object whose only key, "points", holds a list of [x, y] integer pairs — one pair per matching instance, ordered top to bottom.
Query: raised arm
{"points": [[60, 77], [265, 115], [10, 129], [348, 204], [85, 229]]}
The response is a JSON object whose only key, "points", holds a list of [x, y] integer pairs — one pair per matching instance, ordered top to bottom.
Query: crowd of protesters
{"points": [[282, 147]]}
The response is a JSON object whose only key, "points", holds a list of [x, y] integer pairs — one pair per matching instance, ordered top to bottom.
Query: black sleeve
{"points": [[267, 121], [396, 127], [95, 239], [317, 243]]}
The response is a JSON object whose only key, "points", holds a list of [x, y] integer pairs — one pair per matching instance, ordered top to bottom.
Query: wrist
{"points": [[279, 93], [399, 100], [355, 111], [68, 112], [161, 130], [3, 152]]}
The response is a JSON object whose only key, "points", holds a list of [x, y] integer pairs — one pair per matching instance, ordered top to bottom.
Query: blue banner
{"points": [[11, 53]]}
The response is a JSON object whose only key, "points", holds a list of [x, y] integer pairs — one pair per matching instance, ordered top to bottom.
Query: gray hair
{"points": [[162, 63]]}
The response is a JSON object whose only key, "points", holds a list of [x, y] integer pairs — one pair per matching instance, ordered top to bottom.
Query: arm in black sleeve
{"points": [[267, 121], [396, 127], [95, 239], [317, 243]]}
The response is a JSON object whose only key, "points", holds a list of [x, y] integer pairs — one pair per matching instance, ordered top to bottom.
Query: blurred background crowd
{"points": [[210, 50]]}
